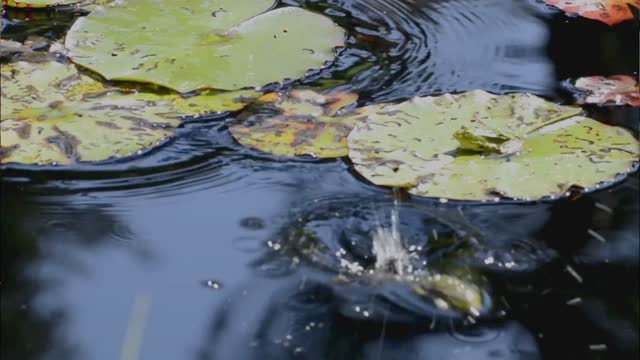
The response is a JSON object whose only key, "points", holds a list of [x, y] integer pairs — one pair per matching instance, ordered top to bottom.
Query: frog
{"points": [[481, 138]]}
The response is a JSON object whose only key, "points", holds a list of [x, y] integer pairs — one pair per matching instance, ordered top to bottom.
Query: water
{"points": [[122, 260]]}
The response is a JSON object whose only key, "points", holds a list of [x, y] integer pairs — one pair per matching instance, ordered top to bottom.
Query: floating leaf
{"points": [[32, 4], [608, 11], [223, 44], [616, 89], [51, 114], [305, 125], [439, 147], [451, 291]]}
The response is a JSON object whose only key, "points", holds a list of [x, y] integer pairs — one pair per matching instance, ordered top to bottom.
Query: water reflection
{"points": [[40, 247], [298, 318]]}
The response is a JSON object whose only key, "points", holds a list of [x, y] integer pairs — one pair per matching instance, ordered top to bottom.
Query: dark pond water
{"points": [[201, 250]]}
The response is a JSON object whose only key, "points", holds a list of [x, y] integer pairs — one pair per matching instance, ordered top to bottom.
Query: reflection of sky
{"points": [[183, 240]]}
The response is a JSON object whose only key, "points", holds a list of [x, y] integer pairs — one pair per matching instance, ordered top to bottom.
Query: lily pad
{"points": [[33, 4], [608, 11], [221, 44], [616, 90], [51, 114], [305, 123], [452, 147]]}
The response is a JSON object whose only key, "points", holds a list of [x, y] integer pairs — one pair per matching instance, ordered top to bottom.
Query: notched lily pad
{"points": [[610, 12], [223, 44], [612, 90], [51, 114], [301, 122], [454, 146]]}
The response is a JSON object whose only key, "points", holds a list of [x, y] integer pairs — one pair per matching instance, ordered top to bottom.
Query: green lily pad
{"points": [[32, 4], [220, 44], [51, 114], [305, 124], [451, 147]]}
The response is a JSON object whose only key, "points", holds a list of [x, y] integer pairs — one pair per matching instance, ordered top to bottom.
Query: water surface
{"points": [[171, 256]]}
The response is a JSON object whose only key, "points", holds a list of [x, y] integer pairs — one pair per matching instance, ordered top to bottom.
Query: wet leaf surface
{"points": [[608, 11], [228, 44], [611, 90], [51, 114], [305, 123], [423, 144]]}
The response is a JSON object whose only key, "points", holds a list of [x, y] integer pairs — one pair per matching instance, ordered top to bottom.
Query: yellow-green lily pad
{"points": [[34, 4], [219, 44], [52, 114], [306, 123], [453, 147]]}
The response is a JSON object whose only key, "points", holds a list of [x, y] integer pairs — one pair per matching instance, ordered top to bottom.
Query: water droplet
{"points": [[213, 284]]}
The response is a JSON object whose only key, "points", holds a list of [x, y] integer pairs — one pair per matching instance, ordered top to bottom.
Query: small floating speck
{"points": [[603, 207], [596, 235], [574, 274], [213, 284], [574, 301]]}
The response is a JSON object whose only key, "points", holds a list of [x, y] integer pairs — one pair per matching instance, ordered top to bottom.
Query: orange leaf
{"points": [[608, 11], [616, 89]]}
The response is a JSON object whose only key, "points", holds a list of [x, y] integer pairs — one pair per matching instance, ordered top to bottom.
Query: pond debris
{"points": [[610, 12], [612, 90], [603, 207], [596, 235], [574, 273], [212, 284], [574, 301], [598, 347]]}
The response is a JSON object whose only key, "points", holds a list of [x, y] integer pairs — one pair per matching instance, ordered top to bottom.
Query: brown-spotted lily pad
{"points": [[87, 5], [609, 12], [219, 44], [614, 90], [51, 114], [305, 123], [479, 146]]}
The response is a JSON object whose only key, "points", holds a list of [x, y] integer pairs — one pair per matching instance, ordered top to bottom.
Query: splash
{"points": [[388, 249]]}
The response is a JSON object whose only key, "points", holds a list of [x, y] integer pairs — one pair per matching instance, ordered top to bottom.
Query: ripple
{"points": [[417, 48], [201, 157], [332, 238]]}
